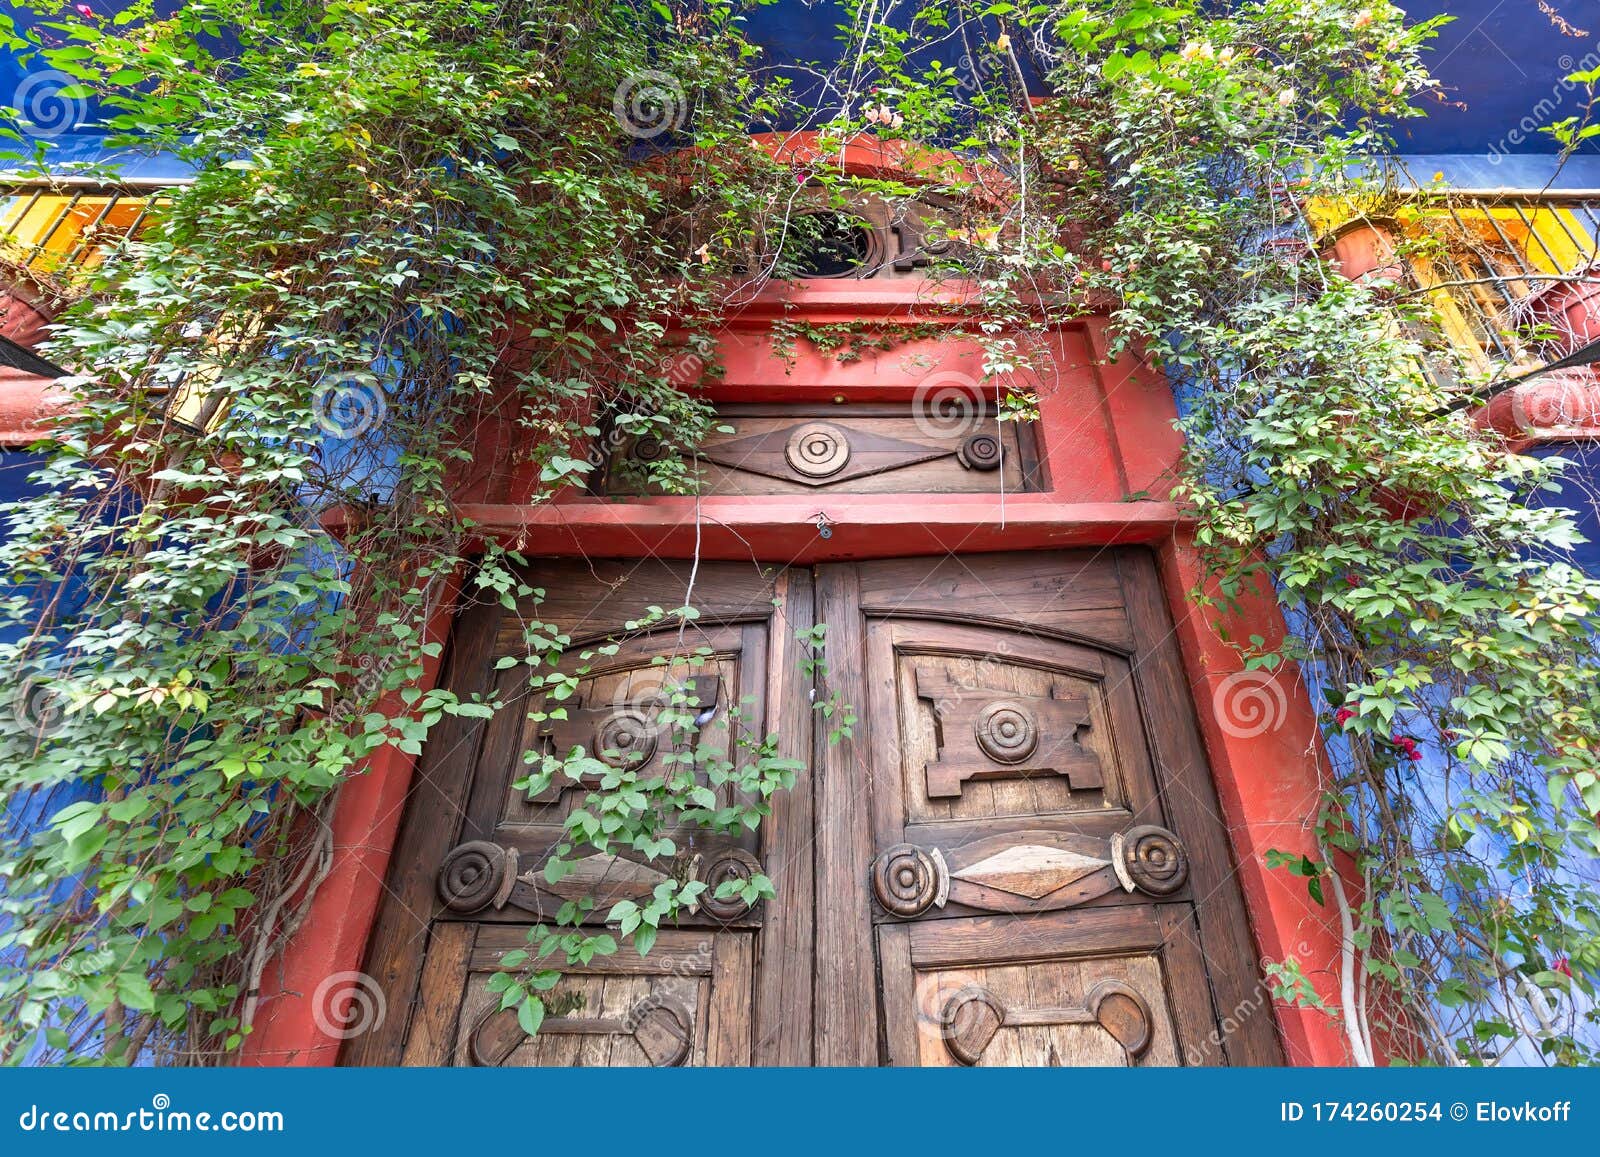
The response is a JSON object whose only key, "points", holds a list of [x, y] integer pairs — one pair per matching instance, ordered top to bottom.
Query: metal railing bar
{"points": [[1533, 231], [86, 237], [38, 248]]}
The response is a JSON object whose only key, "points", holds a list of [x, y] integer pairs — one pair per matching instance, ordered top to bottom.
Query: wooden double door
{"points": [[1015, 858]]}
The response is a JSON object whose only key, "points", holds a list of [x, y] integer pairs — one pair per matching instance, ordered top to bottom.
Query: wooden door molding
{"points": [[846, 988]]}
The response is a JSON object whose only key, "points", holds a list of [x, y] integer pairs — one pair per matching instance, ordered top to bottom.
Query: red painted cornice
{"points": [[28, 406], [1560, 406]]}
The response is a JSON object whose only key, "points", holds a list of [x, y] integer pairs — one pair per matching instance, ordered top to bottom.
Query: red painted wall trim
{"points": [[27, 404], [307, 990]]}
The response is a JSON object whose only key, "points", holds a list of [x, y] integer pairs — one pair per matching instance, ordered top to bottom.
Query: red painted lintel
{"points": [[786, 529]]}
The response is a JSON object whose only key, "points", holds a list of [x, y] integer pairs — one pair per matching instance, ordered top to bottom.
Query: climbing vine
{"points": [[420, 222], [410, 223]]}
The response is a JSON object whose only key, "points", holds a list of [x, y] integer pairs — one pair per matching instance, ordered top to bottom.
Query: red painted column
{"points": [[1265, 749], [307, 993]]}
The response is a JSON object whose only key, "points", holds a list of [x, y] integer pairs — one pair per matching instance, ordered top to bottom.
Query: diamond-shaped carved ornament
{"points": [[820, 453], [1030, 870]]}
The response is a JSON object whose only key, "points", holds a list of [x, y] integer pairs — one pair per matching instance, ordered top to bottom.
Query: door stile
{"points": [[438, 793], [1232, 969], [784, 992], [846, 1005]]}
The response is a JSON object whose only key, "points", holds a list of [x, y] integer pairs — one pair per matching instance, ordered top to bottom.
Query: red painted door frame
{"points": [[1107, 443]]}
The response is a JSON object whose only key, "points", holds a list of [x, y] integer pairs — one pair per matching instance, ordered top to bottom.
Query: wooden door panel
{"points": [[859, 449], [1070, 595], [617, 715], [982, 724], [1019, 772], [1028, 871], [1112, 987], [698, 997], [685, 1004], [1101, 1012]]}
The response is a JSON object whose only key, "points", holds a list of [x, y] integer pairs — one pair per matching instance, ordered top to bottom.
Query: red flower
{"points": [[1351, 580], [1343, 715], [1413, 755], [1562, 965]]}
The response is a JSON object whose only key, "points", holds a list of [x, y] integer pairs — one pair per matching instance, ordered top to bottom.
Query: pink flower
{"points": [[84, 10], [1343, 715], [1562, 965]]}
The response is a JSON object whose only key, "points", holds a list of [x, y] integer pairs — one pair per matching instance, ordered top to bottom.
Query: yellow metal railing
{"points": [[57, 236], [1491, 263]]}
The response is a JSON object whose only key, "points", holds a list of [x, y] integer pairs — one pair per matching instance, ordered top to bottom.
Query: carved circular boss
{"points": [[817, 450], [980, 452], [1006, 731], [625, 738], [1149, 858], [908, 880]]}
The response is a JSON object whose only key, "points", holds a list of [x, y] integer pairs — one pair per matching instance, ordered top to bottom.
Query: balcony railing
{"points": [[55, 233], [1507, 273]]}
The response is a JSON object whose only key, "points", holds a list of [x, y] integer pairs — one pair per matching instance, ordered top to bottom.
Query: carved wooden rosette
{"points": [[817, 450], [982, 451], [989, 734], [620, 735], [1150, 859], [717, 869], [1030, 871], [477, 875], [480, 876], [908, 881], [971, 1018], [660, 1027]]}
